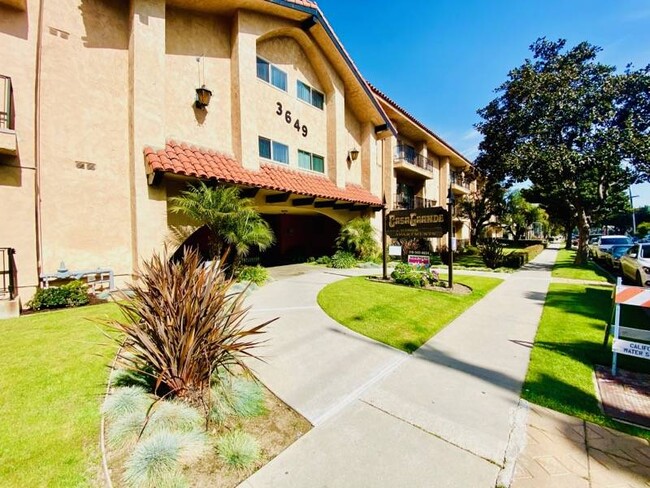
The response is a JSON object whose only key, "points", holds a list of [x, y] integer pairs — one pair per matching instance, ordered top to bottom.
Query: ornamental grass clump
{"points": [[182, 323], [125, 401], [238, 449], [158, 460]]}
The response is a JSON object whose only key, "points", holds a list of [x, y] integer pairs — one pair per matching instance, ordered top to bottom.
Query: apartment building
{"points": [[111, 107]]}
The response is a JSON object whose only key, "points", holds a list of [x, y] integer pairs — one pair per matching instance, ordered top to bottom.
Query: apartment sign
{"points": [[417, 223]]}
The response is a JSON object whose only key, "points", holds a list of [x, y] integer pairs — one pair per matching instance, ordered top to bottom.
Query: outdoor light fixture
{"points": [[203, 96], [353, 154]]}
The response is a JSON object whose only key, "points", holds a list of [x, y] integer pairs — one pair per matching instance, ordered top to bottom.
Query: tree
{"points": [[570, 125], [481, 205], [520, 215], [233, 222], [358, 237]]}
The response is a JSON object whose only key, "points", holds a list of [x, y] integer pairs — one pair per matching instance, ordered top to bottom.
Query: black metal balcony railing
{"points": [[6, 113], [407, 154], [459, 179], [402, 201], [7, 273]]}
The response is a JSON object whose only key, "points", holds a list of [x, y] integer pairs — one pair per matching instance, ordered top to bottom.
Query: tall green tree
{"points": [[572, 126], [481, 205], [520, 215], [235, 225]]}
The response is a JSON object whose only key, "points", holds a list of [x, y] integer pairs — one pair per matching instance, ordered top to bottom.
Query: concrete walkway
{"points": [[447, 416]]}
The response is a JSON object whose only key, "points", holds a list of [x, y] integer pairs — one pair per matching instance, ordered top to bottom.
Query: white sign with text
{"points": [[636, 349]]}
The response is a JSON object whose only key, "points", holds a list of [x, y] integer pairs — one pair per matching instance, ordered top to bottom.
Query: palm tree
{"points": [[233, 222]]}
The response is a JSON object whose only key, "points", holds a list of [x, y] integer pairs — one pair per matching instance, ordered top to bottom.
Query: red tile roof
{"points": [[304, 3], [187, 160]]}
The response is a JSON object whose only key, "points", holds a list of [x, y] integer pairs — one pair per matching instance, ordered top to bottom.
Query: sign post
{"points": [[450, 210]]}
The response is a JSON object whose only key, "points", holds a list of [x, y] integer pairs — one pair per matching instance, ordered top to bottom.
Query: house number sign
{"points": [[287, 118]]}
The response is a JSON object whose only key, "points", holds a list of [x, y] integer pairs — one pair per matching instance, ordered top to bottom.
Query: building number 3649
{"points": [[288, 120]]}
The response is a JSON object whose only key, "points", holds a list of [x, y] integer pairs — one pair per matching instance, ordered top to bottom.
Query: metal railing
{"points": [[6, 112], [407, 154], [457, 178], [401, 201], [8, 278]]}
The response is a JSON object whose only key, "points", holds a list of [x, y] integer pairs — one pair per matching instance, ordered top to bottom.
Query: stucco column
{"points": [[243, 81], [147, 121], [337, 150], [368, 159], [443, 176], [390, 182]]}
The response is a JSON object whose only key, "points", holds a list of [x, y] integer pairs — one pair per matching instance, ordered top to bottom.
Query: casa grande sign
{"points": [[417, 223]]}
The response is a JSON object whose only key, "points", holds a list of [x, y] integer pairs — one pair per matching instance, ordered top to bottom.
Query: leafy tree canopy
{"points": [[571, 125]]}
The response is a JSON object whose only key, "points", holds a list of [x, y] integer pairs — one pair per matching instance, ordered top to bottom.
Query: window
{"points": [[271, 74], [310, 95], [276, 151], [311, 161]]}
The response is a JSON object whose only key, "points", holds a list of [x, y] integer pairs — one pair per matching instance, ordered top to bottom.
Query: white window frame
{"points": [[271, 67], [311, 95], [272, 158], [311, 162]]}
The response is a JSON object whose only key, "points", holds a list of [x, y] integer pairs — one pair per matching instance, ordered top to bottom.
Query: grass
{"points": [[564, 268], [404, 318], [568, 345], [52, 378]]}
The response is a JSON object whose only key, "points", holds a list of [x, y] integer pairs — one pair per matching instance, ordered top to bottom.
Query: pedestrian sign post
{"points": [[635, 296]]}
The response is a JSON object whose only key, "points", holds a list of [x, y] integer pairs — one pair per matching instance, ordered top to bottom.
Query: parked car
{"points": [[606, 242], [614, 254], [635, 265]]}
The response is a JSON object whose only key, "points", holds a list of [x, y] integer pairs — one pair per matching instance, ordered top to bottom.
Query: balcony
{"points": [[7, 133], [407, 160], [459, 182], [402, 201]]}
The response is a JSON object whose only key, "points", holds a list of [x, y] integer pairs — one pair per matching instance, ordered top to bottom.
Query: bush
{"points": [[358, 238], [471, 251], [492, 253], [444, 255], [518, 258], [324, 260], [342, 260], [255, 274], [404, 274], [72, 294], [183, 323], [238, 449], [157, 461]]}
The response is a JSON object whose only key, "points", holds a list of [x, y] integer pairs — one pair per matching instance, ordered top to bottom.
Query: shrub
{"points": [[358, 238], [471, 250], [492, 253], [444, 254], [520, 257], [324, 260], [342, 260], [255, 274], [404, 274], [72, 294], [183, 323], [126, 400], [238, 449], [157, 461]]}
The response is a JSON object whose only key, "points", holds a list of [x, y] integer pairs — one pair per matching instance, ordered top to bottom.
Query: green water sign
{"points": [[417, 223]]}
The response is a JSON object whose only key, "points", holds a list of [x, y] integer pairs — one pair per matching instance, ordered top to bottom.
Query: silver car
{"points": [[607, 242], [635, 265]]}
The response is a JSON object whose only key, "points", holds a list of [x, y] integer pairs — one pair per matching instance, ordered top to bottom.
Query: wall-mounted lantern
{"points": [[203, 96], [353, 154]]}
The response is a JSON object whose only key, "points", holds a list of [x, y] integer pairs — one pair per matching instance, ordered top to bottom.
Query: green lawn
{"points": [[564, 268], [402, 317], [568, 344], [52, 378]]}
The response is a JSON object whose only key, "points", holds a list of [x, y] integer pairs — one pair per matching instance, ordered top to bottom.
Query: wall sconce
{"points": [[203, 96], [353, 154]]}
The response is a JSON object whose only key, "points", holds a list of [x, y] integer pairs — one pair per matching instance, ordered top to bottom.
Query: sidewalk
{"points": [[447, 416]]}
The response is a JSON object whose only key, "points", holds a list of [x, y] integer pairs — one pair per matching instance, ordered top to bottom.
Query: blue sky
{"points": [[442, 59]]}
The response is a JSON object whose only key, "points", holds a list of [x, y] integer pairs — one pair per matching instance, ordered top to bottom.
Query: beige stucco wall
{"points": [[190, 36], [84, 119], [17, 225]]}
